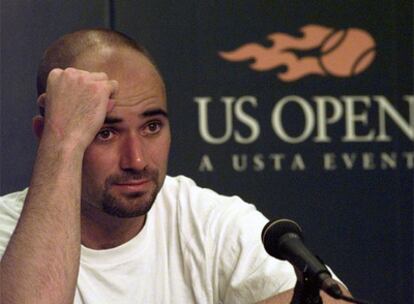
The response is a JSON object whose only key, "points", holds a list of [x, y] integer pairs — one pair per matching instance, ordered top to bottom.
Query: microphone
{"points": [[283, 239]]}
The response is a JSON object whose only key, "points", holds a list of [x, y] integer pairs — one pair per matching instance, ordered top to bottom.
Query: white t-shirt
{"points": [[196, 247]]}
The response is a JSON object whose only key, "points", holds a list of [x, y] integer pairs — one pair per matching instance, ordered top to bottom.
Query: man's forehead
{"points": [[114, 59], [118, 62], [138, 78], [139, 106]]}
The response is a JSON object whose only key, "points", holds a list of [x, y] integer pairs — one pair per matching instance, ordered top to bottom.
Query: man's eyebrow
{"points": [[155, 112], [149, 113], [112, 120]]}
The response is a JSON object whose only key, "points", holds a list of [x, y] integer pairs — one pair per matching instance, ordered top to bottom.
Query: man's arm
{"points": [[41, 261]]}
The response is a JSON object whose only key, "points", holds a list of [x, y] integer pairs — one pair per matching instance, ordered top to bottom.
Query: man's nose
{"points": [[132, 156]]}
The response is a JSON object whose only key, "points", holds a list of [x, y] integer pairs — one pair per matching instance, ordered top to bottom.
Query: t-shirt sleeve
{"points": [[10, 209], [247, 274]]}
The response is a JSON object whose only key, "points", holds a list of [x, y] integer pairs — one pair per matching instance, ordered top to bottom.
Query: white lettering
{"points": [[385, 107], [322, 117], [351, 118], [247, 120], [277, 122], [203, 126], [349, 159], [409, 159], [277, 160], [388, 160], [329, 161], [368, 161], [239, 162], [258, 162], [298, 163], [205, 164]]}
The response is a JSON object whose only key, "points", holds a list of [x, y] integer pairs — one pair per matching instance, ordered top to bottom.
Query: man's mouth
{"points": [[135, 185]]}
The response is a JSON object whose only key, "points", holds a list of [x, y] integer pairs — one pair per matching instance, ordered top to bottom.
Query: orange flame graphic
{"points": [[341, 53]]}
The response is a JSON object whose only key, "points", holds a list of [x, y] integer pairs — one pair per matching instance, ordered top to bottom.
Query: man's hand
{"points": [[75, 104]]}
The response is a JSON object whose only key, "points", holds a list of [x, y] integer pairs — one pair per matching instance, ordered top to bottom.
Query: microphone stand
{"points": [[306, 290]]}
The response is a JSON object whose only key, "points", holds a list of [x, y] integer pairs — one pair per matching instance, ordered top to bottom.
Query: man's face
{"points": [[125, 166]]}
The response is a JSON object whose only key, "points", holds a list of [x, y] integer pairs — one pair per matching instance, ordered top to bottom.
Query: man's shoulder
{"points": [[186, 193], [203, 207]]}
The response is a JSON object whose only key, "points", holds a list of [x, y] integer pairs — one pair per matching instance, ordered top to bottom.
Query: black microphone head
{"points": [[274, 230]]}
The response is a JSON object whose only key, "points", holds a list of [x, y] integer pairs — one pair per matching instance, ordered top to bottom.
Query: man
{"points": [[101, 222]]}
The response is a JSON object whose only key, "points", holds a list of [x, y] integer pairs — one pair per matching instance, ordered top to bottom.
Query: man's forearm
{"points": [[41, 262]]}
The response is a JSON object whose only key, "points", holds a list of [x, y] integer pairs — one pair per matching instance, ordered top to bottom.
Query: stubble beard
{"points": [[133, 204]]}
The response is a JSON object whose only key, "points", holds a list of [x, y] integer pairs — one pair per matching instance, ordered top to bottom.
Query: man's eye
{"points": [[152, 128], [105, 134]]}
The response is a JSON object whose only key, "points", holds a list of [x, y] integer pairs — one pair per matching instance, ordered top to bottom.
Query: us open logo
{"points": [[338, 53], [319, 119]]}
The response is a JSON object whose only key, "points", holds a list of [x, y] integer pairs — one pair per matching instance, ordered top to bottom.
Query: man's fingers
{"points": [[98, 75], [74, 77], [113, 84], [113, 87], [41, 100], [111, 104]]}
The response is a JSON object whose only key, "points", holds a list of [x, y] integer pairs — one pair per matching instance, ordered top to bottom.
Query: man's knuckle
{"points": [[70, 70], [54, 73], [103, 75]]}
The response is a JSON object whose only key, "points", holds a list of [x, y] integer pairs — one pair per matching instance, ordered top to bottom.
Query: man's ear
{"points": [[38, 123]]}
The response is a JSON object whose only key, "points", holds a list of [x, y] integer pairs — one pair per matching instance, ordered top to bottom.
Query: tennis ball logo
{"points": [[339, 53], [347, 53]]}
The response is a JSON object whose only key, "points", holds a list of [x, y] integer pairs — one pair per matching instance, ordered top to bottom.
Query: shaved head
{"points": [[64, 51]]}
